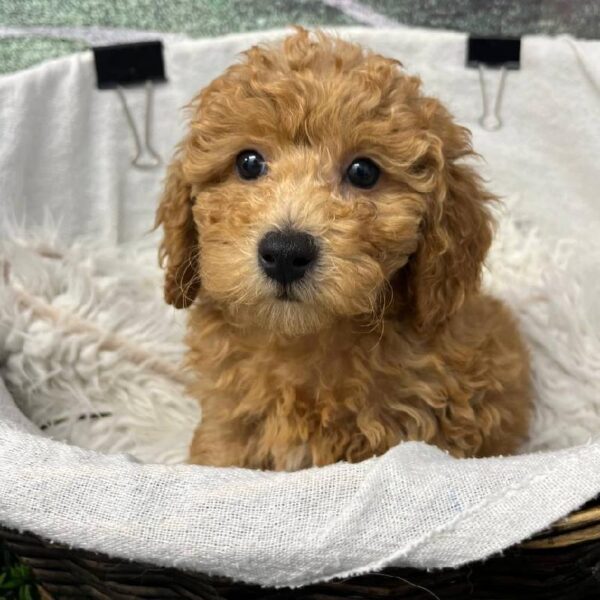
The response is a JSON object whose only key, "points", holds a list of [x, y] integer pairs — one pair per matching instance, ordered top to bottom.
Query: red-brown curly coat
{"points": [[391, 338]]}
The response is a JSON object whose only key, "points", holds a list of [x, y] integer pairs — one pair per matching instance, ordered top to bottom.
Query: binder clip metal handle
{"points": [[502, 53], [491, 120], [152, 159]]}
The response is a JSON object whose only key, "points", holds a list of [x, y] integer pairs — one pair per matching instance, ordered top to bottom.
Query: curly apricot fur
{"points": [[390, 338]]}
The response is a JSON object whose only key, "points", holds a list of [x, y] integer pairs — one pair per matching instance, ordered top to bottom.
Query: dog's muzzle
{"points": [[286, 256]]}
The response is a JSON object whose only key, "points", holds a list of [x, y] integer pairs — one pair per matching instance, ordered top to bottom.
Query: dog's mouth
{"points": [[286, 294]]}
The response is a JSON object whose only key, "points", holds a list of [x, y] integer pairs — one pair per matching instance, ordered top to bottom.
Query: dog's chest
{"points": [[304, 385], [295, 403]]}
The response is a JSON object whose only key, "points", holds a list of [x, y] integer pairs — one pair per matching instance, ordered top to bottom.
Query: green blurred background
{"points": [[34, 30]]}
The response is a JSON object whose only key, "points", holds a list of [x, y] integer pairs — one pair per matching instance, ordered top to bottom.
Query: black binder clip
{"points": [[498, 53], [131, 64]]}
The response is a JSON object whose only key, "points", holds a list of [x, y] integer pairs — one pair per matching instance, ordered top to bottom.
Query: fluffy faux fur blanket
{"points": [[91, 353]]}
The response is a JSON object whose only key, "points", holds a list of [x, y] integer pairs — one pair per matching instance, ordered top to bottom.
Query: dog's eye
{"points": [[250, 164], [363, 173]]}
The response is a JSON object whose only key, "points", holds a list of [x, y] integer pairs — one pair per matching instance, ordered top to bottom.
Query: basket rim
{"points": [[582, 525], [142, 549], [523, 568]]}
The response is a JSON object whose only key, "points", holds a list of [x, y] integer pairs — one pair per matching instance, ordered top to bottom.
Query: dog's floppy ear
{"points": [[456, 235], [178, 252]]}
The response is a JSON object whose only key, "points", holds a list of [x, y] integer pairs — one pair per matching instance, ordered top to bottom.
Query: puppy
{"points": [[324, 231]]}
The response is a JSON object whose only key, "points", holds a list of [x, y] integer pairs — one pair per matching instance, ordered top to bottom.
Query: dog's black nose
{"points": [[286, 256]]}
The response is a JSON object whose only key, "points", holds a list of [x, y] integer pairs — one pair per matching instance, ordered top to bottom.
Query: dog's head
{"points": [[317, 183]]}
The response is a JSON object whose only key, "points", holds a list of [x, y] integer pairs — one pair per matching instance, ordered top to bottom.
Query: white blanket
{"points": [[65, 149]]}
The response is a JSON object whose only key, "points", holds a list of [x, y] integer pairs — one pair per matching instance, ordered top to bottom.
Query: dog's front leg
{"points": [[216, 444]]}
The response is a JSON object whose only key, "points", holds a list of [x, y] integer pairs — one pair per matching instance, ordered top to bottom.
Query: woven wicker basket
{"points": [[560, 563]]}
